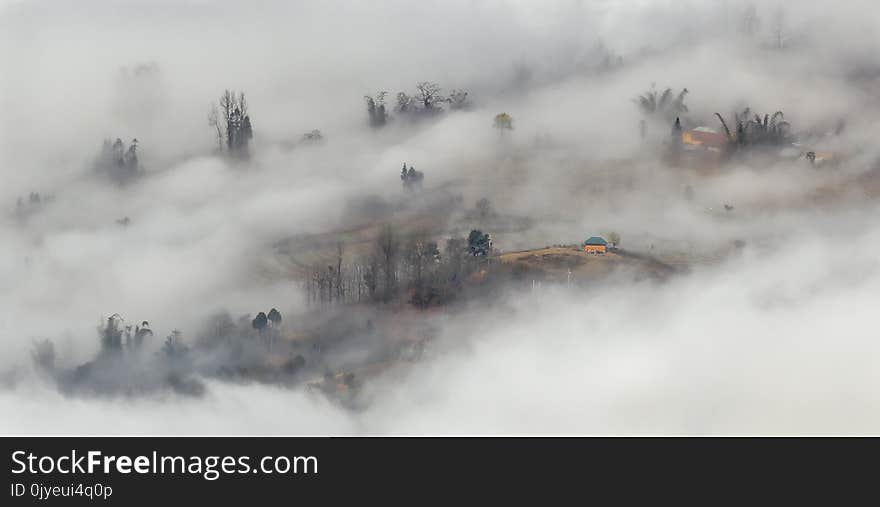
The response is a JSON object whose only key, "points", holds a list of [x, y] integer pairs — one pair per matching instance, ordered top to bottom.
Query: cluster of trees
{"points": [[750, 26], [607, 59], [428, 99], [376, 109], [232, 125], [752, 131], [313, 136], [117, 161], [411, 179], [31, 204], [484, 208], [416, 267], [328, 285], [264, 321], [268, 326], [116, 335], [242, 347], [174, 348], [123, 366], [120, 367]]}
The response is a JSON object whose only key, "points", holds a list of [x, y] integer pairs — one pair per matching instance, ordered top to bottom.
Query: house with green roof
{"points": [[595, 245]]}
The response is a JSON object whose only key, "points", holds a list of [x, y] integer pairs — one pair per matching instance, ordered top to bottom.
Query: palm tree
{"points": [[664, 104], [769, 130]]}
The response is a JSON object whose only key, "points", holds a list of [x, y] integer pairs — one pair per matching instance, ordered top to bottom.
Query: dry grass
{"points": [[555, 263]]}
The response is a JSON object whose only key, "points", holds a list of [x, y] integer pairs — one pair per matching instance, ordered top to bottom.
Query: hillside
{"points": [[555, 264]]}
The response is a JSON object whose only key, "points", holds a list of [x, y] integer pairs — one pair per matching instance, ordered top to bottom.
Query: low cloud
{"points": [[764, 328]]}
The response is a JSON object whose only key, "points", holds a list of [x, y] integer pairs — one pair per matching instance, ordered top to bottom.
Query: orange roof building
{"points": [[704, 137]]}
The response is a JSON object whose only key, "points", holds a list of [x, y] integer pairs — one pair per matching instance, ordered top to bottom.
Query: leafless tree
{"points": [[750, 24], [777, 29], [429, 96], [458, 100], [405, 103], [214, 121], [232, 121], [387, 250], [422, 256], [340, 291]]}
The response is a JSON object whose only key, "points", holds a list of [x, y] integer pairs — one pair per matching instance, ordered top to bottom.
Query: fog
{"points": [[763, 326]]}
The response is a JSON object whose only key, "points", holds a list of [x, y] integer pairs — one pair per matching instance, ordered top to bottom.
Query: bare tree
{"points": [[750, 24], [777, 29], [428, 95], [458, 100], [405, 103], [214, 121], [232, 121], [387, 251], [422, 256], [371, 276], [340, 290]]}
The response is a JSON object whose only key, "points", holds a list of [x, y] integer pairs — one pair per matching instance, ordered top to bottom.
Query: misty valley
{"points": [[605, 218]]}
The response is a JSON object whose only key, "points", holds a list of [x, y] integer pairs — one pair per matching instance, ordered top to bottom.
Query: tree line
{"points": [[428, 99], [413, 269]]}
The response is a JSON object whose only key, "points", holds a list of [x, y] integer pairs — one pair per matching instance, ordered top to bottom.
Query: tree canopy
{"points": [[503, 121], [479, 243]]}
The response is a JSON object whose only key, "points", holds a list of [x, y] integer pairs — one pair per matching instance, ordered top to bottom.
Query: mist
{"points": [[738, 300]]}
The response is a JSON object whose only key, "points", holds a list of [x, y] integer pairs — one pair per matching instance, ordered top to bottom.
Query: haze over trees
{"points": [[750, 23], [778, 33], [428, 95], [458, 100], [427, 101], [665, 106], [376, 109], [231, 122], [503, 122], [755, 131], [313, 136], [118, 162], [411, 179], [35, 201], [484, 208], [613, 238], [479, 243], [362, 264], [409, 269], [117, 336]]}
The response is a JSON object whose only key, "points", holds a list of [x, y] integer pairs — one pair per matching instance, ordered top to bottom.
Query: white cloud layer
{"points": [[780, 339]]}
